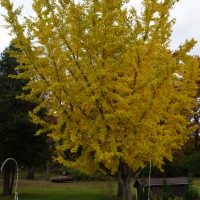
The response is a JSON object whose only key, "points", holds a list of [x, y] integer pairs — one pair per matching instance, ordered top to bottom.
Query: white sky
{"points": [[187, 13]]}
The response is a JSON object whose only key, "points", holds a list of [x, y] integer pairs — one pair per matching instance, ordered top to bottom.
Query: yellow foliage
{"points": [[108, 76]]}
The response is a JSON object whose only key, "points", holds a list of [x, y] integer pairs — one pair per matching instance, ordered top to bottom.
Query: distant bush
{"points": [[192, 163], [170, 169], [77, 175], [191, 193]]}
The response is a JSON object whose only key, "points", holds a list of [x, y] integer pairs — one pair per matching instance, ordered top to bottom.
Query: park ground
{"points": [[40, 189], [78, 190]]}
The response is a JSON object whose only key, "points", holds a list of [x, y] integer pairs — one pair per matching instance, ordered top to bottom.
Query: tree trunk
{"points": [[196, 139], [47, 172], [31, 173], [123, 176], [6, 180], [124, 180], [12, 181], [119, 191]]}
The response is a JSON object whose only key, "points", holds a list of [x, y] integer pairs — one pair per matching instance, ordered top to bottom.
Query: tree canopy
{"points": [[120, 95]]}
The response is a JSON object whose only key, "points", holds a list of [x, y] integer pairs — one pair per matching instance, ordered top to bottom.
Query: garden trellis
{"points": [[16, 194]]}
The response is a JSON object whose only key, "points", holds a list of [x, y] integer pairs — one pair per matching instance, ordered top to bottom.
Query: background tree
{"points": [[108, 76], [195, 117], [17, 139]]}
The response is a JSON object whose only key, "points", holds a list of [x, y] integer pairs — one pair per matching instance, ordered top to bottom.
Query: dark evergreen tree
{"points": [[17, 132]]}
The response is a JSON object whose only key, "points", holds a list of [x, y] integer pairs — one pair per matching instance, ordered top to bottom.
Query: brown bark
{"points": [[196, 139], [31, 173], [123, 177], [6, 179], [124, 180], [12, 181], [7, 183], [119, 191]]}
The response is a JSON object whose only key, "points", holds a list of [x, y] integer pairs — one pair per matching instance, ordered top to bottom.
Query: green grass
{"points": [[45, 190], [81, 190]]}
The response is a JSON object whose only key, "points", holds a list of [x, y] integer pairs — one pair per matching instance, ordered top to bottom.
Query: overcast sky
{"points": [[187, 13]]}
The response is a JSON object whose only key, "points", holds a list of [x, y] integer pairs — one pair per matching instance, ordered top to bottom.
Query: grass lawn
{"points": [[45, 190], [89, 190]]}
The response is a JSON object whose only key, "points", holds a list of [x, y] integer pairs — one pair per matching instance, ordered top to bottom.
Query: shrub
{"points": [[192, 164], [77, 175], [166, 191], [191, 193], [143, 195]]}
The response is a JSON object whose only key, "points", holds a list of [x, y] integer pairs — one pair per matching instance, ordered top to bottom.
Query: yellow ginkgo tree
{"points": [[120, 96]]}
